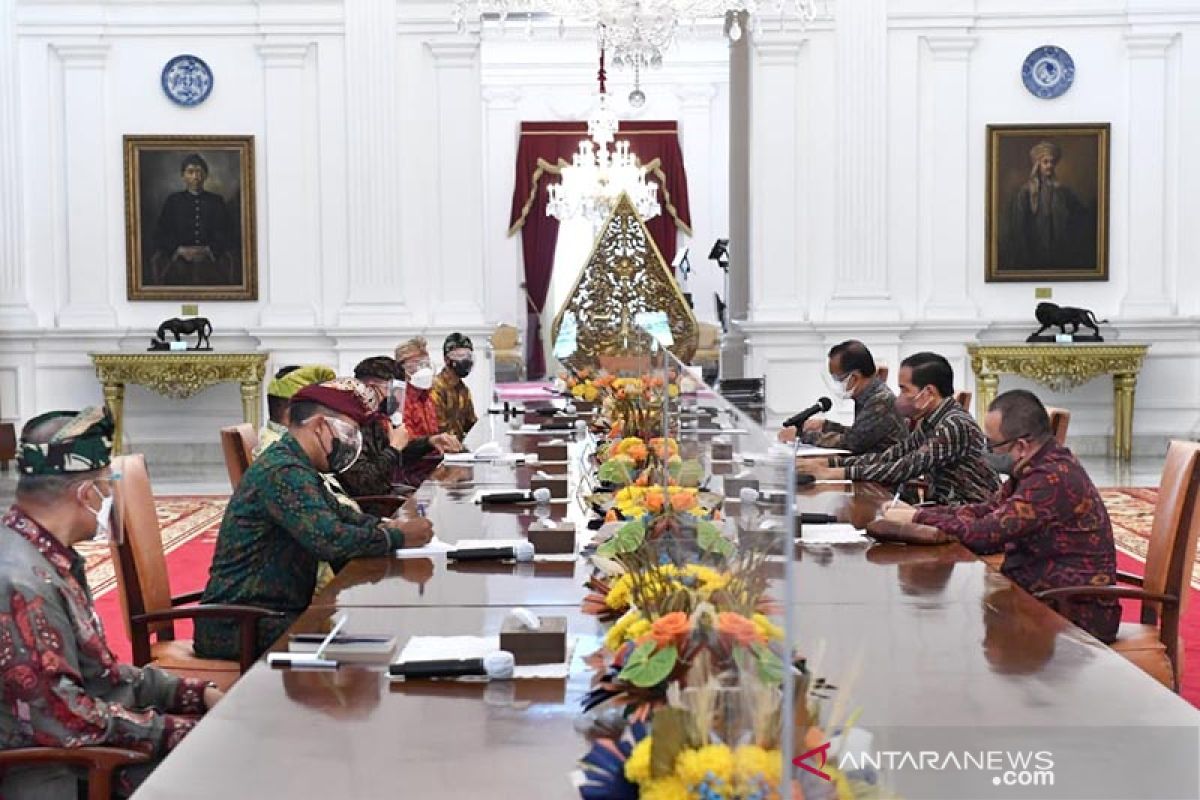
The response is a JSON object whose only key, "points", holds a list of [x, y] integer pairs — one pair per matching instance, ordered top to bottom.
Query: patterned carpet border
{"points": [[1131, 510], [182, 518]]}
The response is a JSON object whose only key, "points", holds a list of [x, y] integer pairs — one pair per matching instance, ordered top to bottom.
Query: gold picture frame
{"points": [[1047, 202], [190, 229]]}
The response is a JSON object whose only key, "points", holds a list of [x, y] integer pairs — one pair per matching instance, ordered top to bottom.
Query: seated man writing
{"points": [[877, 425], [946, 447], [1048, 519], [283, 520], [62, 686]]}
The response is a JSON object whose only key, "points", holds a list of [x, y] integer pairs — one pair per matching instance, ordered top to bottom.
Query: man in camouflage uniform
{"points": [[62, 686]]}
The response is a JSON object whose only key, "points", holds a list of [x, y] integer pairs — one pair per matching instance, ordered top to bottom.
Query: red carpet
{"points": [[189, 531]]}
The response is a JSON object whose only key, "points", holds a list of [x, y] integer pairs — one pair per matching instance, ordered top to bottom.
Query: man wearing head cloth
{"points": [[1046, 224], [194, 241], [287, 381], [452, 397], [420, 414], [283, 520], [62, 685]]}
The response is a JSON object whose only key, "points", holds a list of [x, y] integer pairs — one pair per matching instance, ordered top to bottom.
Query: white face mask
{"points": [[422, 378], [838, 389], [103, 515]]}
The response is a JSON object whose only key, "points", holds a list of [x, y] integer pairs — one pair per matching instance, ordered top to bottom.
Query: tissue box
{"points": [[583, 406], [552, 451], [722, 451], [553, 467], [723, 467], [556, 485], [734, 486], [549, 537], [548, 645]]}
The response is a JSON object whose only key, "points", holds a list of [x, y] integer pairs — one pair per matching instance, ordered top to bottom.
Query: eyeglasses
{"points": [[994, 446]]}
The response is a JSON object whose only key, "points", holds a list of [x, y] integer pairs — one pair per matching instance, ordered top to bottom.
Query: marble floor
{"points": [[176, 479]]}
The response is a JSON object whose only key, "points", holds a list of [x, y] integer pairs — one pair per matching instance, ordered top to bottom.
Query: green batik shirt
{"points": [[281, 522]]}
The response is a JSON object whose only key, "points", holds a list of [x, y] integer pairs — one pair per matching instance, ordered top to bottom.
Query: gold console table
{"points": [[1062, 367], [178, 376]]}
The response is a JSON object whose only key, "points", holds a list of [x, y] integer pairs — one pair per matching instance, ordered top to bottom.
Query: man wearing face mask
{"points": [[451, 396], [420, 413], [877, 426], [946, 445], [1047, 519], [283, 520], [61, 685]]}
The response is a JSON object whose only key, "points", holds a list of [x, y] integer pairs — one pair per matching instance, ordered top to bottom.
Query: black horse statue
{"points": [[1053, 315], [184, 327]]}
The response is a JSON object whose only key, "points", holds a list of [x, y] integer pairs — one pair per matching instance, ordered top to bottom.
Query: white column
{"points": [[695, 139], [85, 154], [945, 169], [293, 252], [860, 263], [776, 264], [459, 282], [375, 286], [736, 289], [1146, 295], [504, 299], [15, 310]]}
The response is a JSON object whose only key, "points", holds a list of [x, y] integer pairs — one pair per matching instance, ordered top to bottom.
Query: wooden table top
{"points": [[928, 641]]}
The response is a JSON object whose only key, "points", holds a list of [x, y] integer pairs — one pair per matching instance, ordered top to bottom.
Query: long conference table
{"points": [[936, 650]]}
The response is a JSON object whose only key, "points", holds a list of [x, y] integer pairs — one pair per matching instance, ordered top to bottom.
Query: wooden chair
{"points": [[506, 352], [964, 399], [1060, 420], [238, 443], [8, 444], [145, 593], [1154, 644], [100, 763]]}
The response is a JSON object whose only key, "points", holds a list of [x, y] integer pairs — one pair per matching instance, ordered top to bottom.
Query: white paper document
{"points": [[806, 450], [836, 533], [435, 547], [438, 648]]}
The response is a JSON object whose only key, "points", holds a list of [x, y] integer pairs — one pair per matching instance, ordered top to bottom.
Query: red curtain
{"points": [[545, 147]]}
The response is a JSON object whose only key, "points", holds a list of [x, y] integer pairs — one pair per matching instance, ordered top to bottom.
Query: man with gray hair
{"points": [[62, 685]]}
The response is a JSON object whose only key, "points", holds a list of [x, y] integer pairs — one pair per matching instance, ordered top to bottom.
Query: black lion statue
{"points": [[1053, 315], [184, 327]]}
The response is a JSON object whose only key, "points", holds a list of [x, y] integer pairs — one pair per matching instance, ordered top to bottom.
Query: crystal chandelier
{"points": [[636, 32], [598, 176]]}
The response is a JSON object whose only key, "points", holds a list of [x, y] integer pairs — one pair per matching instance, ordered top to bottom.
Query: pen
{"points": [[895, 499], [421, 508]]}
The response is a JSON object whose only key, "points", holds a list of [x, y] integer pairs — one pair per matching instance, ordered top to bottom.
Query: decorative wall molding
{"points": [[14, 295]]}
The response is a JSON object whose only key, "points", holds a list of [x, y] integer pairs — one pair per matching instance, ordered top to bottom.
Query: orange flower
{"points": [[638, 453], [654, 501], [682, 501], [612, 516], [738, 628], [670, 629]]}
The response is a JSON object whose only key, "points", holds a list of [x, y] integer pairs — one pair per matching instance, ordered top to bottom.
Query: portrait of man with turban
{"points": [[1047, 204]]}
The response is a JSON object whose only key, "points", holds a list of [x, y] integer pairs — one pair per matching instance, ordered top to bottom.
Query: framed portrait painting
{"points": [[1047, 202], [189, 218]]}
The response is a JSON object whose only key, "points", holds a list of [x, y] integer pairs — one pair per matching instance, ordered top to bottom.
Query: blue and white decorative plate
{"points": [[1048, 72], [187, 80]]}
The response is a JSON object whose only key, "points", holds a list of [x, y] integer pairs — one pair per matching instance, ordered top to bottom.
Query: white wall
{"points": [[885, 238]]}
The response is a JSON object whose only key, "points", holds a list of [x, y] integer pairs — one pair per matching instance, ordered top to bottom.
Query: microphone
{"points": [[820, 407], [506, 498], [811, 518], [520, 551], [496, 666]]}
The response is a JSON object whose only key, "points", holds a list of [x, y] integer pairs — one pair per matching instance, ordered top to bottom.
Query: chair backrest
{"points": [[709, 336], [505, 337], [964, 399], [1060, 420], [238, 443], [1172, 547], [139, 561]]}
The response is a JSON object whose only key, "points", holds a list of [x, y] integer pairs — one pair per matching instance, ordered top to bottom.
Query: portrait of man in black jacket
{"points": [[194, 242]]}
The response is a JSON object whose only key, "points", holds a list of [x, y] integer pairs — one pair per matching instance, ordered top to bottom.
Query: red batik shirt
{"points": [[420, 412], [1053, 529], [62, 686]]}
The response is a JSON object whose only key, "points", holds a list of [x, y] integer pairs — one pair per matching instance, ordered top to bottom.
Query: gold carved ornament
{"points": [[624, 275], [1060, 369], [180, 376]]}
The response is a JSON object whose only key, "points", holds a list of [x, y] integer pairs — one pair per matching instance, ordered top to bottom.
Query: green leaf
{"points": [[615, 471], [690, 473], [708, 536], [629, 537], [640, 654], [770, 666], [651, 671], [670, 738]]}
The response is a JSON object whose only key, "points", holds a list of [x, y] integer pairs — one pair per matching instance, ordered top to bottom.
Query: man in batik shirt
{"points": [[452, 397], [877, 425], [946, 448], [1048, 519], [283, 520], [62, 686]]}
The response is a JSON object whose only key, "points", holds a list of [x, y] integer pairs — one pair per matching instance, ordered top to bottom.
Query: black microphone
{"points": [[819, 407], [505, 498], [812, 518], [519, 551], [494, 666]]}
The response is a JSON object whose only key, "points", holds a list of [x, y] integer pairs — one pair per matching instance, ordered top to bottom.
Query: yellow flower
{"points": [[673, 390], [577, 391], [590, 393], [710, 580], [618, 593], [766, 627], [639, 629], [617, 633], [751, 763], [694, 766], [637, 768], [669, 788]]}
